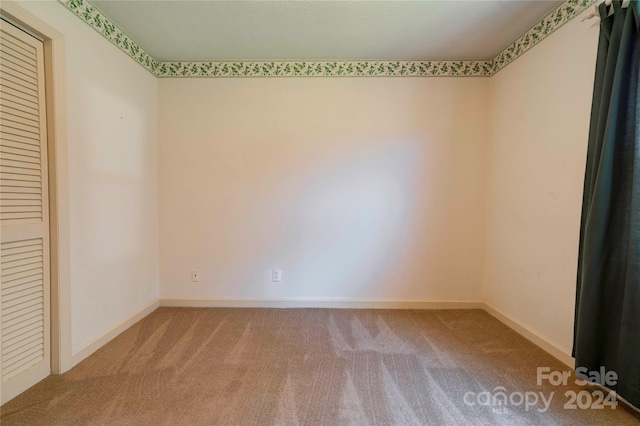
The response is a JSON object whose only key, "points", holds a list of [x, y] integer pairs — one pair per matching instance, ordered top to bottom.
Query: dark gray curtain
{"points": [[607, 322]]}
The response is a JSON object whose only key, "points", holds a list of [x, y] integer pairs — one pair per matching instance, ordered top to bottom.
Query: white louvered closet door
{"points": [[24, 214]]}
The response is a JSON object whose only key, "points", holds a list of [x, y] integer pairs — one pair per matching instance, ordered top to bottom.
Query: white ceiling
{"points": [[171, 30]]}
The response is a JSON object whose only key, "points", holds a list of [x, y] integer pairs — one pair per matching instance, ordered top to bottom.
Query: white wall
{"points": [[112, 139], [537, 152], [364, 188]]}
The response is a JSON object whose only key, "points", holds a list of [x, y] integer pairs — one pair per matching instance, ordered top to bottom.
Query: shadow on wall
{"points": [[359, 189], [113, 207], [349, 218], [372, 220]]}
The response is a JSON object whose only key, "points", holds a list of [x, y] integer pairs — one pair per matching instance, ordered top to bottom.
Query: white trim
{"points": [[313, 302], [533, 336], [93, 345]]}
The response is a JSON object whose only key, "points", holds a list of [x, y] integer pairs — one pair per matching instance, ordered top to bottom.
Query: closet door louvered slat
{"points": [[24, 232]]}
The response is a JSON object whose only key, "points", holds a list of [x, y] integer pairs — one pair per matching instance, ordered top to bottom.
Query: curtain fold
{"points": [[607, 317]]}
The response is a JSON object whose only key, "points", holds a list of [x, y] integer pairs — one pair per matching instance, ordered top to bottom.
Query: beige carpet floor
{"points": [[182, 366]]}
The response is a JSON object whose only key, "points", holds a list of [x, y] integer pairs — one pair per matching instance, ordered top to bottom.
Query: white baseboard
{"points": [[337, 303], [342, 303], [533, 336], [90, 347]]}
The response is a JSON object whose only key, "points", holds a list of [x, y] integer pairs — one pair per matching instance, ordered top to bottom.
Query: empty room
{"points": [[314, 212]]}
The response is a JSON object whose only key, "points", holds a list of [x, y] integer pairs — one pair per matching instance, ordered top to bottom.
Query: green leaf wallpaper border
{"points": [[91, 15], [555, 19], [97, 20], [325, 69]]}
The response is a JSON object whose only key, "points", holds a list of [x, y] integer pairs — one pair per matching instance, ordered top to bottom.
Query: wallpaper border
{"points": [[562, 14], [555, 19], [97, 20], [327, 69]]}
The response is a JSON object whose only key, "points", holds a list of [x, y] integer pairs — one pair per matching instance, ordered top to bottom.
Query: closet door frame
{"points": [[55, 99]]}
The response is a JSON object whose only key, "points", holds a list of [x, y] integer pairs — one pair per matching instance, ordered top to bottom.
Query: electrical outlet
{"points": [[195, 275], [276, 275]]}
